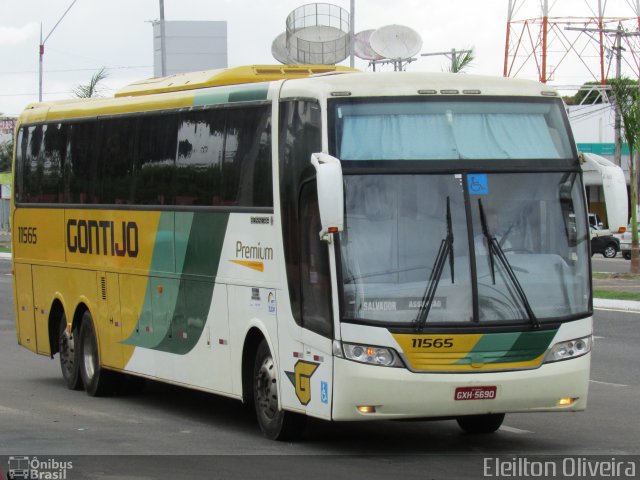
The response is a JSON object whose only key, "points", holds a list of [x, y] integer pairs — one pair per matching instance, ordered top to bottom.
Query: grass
{"points": [[5, 250], [615, 295]]}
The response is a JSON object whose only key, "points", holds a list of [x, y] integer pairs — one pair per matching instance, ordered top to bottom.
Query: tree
{"points": [[460, 62], [91, 89], [626, 95], [6, 154]]}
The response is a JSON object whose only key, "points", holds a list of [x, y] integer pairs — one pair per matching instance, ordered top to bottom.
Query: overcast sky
{"points": [[117, 34]]}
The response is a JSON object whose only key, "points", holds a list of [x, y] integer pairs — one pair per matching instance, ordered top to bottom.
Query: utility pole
{"points": [[352, 35], [163, 45], [618, 48], [41, 50], [451, 54], [617, 124]]}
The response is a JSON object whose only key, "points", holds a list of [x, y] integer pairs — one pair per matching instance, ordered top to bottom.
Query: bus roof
{"points": [[227, 76], [252, 82], [382, 84]]}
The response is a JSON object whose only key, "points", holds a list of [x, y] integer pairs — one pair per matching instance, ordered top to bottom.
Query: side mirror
{"points": [[330, 192]]}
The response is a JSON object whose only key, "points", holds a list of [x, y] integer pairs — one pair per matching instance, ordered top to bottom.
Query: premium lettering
{"points": [[102, 237], [253, 252]]}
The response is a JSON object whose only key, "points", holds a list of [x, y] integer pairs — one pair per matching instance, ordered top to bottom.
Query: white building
{"points": [[190, 46]]}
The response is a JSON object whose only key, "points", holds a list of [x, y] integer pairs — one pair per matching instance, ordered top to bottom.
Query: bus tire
{"points": [[69, 348], [97, 381], [481, 423], [276, 424]]}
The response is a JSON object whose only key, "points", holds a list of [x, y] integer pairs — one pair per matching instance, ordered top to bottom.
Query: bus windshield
{"points": [[435, 129], [396, 225], [460, 244]]}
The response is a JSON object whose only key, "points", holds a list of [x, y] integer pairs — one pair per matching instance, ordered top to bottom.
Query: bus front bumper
{"points": [[397, 393]]}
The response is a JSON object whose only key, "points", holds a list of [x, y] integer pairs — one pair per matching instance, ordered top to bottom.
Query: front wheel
{"points": [[610, 251], [69, 348], [97, 381], [481, 423], [276, 424]]}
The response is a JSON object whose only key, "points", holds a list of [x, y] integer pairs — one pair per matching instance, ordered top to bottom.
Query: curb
{"points": [[5, 256], [619, 305]]}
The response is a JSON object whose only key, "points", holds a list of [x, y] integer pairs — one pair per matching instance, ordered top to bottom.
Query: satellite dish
{"points": [[318, 33], [396, 42], [362, 46], [279, 49]]}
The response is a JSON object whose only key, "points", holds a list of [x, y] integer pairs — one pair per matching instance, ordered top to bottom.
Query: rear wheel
{"points": [[610, 251], [626, 255], [68, 346], [97, 381], [481, 423], [276, 424]]}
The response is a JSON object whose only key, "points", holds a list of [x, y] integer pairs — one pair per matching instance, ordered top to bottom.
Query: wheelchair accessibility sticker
{"points": [[478, 184], [324, 392]]}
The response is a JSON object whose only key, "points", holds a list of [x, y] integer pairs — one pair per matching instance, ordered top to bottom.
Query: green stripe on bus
{"points": [[240, 93], [180, 306], [509, 347]]}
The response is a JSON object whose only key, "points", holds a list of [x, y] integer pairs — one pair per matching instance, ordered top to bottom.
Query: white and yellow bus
{"points": [[316, 241]]}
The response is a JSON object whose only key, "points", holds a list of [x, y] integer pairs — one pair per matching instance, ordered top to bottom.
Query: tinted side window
{"points": [[300, 136], [56, 139], [158, 144], [21, 148], [210, 157], [116, 160], [199, 163], [33, 164], [246, 169], [83, 171], [315, 279]]}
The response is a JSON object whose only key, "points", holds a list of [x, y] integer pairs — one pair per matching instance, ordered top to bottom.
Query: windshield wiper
{"points": [[446, 249], [495, 250]]}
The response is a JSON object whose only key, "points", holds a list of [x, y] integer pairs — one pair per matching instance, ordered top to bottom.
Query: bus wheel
{"points": [[69, 355], [97, 381], [481, 423], [276, 424]]}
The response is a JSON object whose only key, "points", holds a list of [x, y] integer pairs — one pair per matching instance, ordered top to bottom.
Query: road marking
{"points": [[618, 310], [597, 338], [610, 384], [14, 411], [514, 430]]}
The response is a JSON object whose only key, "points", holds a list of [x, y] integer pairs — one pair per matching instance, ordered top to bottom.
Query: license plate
{"points": [[476, 393]]}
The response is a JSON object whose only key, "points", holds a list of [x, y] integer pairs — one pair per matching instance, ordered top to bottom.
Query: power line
{"points": [[133, 67]]}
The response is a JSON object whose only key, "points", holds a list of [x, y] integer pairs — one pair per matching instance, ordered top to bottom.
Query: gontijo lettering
{"points": [[102, 237]]}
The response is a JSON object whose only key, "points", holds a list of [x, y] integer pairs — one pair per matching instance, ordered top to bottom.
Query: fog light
{"points": [[565, 402], [366, 409]]}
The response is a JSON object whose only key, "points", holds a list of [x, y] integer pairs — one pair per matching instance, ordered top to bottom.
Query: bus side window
{"points": [[300, 136], [314, 266]]}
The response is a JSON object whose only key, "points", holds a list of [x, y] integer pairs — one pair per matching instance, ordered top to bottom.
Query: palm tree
{"points": [[462, 61], [91, 89]]}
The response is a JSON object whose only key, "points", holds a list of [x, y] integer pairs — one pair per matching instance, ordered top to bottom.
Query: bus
{"points": [[311, 240]]}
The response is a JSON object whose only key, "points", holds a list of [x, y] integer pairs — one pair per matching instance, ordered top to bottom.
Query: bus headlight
{"points": [[569, 349], [383, 356]]}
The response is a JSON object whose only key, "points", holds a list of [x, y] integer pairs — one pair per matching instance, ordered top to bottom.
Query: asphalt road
{"points": [[612, 265], [171, 432]]}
